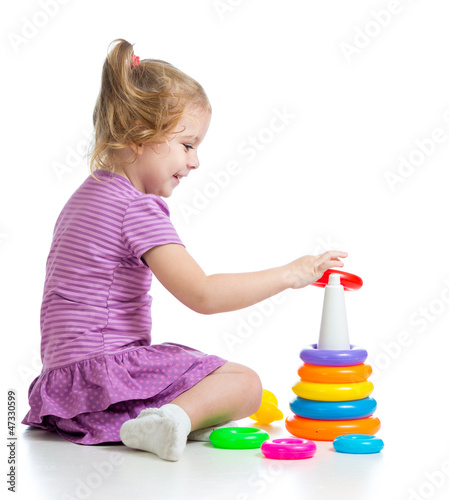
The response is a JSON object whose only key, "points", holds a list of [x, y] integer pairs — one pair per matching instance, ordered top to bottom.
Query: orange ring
{"points": [[335, 374], [328, 430]]}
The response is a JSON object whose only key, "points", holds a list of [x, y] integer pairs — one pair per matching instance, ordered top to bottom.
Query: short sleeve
{"points": [[147, 224]]}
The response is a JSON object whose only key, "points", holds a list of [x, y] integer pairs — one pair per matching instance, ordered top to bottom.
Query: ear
{"points": [[137, 148]]}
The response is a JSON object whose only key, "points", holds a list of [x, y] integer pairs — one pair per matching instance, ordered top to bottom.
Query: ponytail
{"points": [[140, 101]]}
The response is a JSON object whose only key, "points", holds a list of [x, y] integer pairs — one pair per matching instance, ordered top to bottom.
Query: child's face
{"points": [[159, 168]]}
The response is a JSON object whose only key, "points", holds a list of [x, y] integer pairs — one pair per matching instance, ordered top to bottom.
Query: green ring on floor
{"points": [[238, 438]]}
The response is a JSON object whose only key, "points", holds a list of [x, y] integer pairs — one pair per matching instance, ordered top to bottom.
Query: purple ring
{"points": [[329, 357]]}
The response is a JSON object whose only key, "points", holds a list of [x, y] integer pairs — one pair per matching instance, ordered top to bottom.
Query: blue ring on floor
{"points": [[329, 357], [330, 410], [358, 444]]}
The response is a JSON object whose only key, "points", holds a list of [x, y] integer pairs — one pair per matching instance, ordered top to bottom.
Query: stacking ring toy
{"points": [[348, 280], [329, 357], [335, 374], [333, 392], [324, 410], [328, 430], [238, 438], [358, 443], [288, 449]]}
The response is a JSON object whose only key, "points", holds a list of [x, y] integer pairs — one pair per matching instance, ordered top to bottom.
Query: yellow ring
{"points": [[333, 392]]}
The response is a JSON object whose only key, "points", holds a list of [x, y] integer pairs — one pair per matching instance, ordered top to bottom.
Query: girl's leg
{"points": [[231, 392]]}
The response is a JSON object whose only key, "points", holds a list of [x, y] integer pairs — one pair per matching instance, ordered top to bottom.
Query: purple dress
{"points": [[99, 367]]}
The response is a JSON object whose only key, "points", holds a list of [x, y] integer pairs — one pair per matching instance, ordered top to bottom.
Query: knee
{"points": [[245, 389], [253, 392]]}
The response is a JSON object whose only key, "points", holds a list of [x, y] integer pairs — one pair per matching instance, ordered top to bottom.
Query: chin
{"points": [[163, 193]]}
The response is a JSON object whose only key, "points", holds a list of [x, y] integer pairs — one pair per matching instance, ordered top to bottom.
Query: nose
{"points": [[193, 162]]}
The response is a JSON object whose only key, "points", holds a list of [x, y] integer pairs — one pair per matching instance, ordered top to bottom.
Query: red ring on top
{"points": [[348, 280]]}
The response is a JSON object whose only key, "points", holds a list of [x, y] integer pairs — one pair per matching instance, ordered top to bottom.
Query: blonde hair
{"points": [[138, 104]]}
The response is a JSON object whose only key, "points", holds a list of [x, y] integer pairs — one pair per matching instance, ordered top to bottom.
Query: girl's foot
{"points": [[162, 431]]}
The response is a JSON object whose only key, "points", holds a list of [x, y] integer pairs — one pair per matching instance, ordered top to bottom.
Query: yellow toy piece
{"points": [[333, 392], [268, 411]]}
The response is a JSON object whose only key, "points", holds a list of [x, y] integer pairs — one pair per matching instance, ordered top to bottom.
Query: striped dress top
{"points": [[96, 297], [96, 316]]}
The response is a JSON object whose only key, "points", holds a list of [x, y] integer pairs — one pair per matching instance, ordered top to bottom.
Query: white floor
{"points": [[409, 468]]}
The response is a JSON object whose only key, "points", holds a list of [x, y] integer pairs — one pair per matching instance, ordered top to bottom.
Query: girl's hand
{"points": [[308, 269], [183, 277]]}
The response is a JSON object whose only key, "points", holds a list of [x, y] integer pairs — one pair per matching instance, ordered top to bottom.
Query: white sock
{"points": [[162, 431], [204, 434]]}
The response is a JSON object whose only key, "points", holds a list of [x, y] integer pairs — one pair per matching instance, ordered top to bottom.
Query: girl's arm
{"points": [[183, 277]]}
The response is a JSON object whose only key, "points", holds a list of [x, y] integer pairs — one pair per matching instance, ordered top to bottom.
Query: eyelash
{"points": [[188, 146]]}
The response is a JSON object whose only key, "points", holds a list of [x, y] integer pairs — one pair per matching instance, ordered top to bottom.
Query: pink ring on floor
{"points": [[288, 448]]}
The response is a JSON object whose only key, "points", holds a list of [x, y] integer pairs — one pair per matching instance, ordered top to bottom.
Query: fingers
{"points": [[333, 254], [331, 259], [334, 263], [323, 267]]}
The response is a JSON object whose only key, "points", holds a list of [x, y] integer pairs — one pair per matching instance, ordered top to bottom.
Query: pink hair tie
{"points": [[135, 60]]}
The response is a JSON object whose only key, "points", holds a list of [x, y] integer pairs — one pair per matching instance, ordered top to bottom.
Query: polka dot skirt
{"points": [[87, 402]]}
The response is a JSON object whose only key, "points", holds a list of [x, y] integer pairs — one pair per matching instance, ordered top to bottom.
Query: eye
{"points": [[188, 146]]}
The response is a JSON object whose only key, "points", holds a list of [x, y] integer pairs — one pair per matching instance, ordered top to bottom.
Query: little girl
{"points": [[102, 379]]}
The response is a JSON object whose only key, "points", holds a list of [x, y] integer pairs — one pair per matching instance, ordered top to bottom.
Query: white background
{"points": [[360, 88]]}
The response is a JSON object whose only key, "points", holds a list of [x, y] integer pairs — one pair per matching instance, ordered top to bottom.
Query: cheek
{"points": [[159, 171]]}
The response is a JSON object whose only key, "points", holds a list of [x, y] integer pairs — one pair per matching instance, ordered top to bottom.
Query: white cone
{"points": [[334, 333]]}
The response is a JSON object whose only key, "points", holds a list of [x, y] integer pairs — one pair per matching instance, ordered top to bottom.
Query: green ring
{"points": [[238, 438]]}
